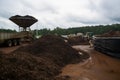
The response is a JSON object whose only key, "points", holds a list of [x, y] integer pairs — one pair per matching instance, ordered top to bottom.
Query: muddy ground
{"points": [[8, 50], [98, 67]]}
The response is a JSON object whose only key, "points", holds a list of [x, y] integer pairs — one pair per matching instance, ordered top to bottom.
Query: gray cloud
{"points": [[41, 6], [111, 9], [57, 13], [84, 20]]}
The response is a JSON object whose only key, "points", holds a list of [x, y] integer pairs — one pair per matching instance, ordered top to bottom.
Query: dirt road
{"points": [[7, 50], [98, 67]]}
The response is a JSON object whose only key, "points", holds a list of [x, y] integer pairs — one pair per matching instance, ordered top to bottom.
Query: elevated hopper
{"points": [[23, 21]]}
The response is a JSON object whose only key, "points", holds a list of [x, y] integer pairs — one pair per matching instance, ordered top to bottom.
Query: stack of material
{"points": [[110, 34], [77, 40], [108, 43], [41, 60]]}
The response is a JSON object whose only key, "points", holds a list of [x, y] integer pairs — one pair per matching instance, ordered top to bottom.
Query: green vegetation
{"points": [[100, 29], [7, 30]]}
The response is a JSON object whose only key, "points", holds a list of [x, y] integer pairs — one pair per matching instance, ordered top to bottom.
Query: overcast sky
{"points": [[61, 13]]}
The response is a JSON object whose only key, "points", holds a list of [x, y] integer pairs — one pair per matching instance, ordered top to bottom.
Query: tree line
{"points": [[99, 29], [7, 30]]}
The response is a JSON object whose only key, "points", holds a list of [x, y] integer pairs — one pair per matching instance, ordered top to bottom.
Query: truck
{"points": [[89, 35], [15, 38], [108, 43]]}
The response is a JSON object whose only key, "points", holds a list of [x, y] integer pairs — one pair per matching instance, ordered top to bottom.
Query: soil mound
{"points": [[110, 34], [77, 40], [53, 47], [41, 60], [24, 66]]}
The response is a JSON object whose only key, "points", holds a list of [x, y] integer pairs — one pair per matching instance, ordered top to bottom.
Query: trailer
{"points": [[16, 38], [9, 39]]}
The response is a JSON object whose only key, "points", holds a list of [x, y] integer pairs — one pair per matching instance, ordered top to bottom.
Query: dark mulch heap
{"points": [[110, 34], [78, 40], [41, 60]]}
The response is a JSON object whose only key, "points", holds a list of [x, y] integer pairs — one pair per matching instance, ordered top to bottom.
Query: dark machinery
{"points": [[24, 23], [25, 34]]}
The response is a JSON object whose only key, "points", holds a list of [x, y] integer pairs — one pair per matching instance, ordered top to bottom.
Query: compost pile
{"points": [[110, 34], [77, 40], [42, 60]]}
